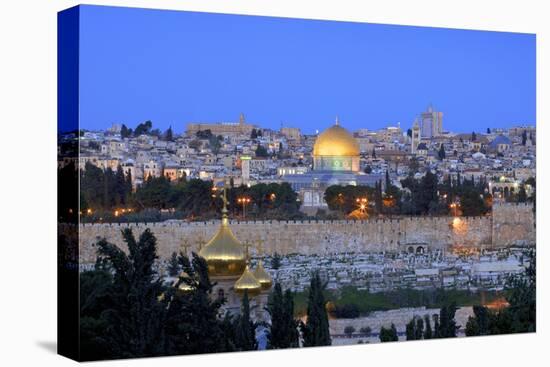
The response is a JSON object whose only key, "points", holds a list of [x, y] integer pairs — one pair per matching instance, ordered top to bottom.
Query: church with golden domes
{"points": [[336, 161], [228, 266]]}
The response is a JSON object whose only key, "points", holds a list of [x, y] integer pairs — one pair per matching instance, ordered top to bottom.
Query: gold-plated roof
{"points": [[336, 142], [224, 254], [263, 276], [248, 282], [184, 286]]}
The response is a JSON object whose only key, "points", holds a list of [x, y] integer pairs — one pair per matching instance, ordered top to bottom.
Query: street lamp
{"points": [[244, 201], [362, 202], [454, 207]]}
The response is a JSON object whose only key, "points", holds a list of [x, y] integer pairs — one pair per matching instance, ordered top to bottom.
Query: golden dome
{"points": [[335, 141], [224, 254], [263, 276], [248, 282], [184, 286]]}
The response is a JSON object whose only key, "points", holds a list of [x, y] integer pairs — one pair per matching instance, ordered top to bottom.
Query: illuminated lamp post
{"points": [[244, 201], [362, 202], [454, 207]]}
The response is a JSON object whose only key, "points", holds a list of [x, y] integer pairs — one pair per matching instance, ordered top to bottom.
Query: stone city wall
{"points": [[513, 224], [509, 227]]}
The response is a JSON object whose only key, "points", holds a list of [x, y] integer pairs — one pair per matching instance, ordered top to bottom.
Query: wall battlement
{"points": [[509, 224]]}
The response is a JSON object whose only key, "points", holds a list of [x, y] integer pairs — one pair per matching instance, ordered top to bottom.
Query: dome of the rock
{"points": [[336, 149]]}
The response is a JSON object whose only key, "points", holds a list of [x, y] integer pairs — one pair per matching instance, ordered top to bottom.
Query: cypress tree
{"points": [[124, 132], [169, 134], [441, 153], [388, 182], [120, 184], [129, 184], [522, 194], [378, 197], [276, 261], [173, 265], [275, 308], [192, 324], [447, 324], [419, 328], [245, 329], [410, 330], [428, 330], [283, 331], [315, 331], [437, 331], [388, 335], [293, 336]]}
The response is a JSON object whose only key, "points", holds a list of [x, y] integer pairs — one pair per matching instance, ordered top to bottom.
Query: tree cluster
{"points": [[146, 128], [255, 133], [261, 151], [104, 189], [424, 196], [427, 196], [127, 310], [520, 314], [444, 325], [388, 334]]}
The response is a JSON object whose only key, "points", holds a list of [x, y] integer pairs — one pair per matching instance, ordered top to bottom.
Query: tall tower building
{"points": [[431, 123], [415, 139], [245, 169]]}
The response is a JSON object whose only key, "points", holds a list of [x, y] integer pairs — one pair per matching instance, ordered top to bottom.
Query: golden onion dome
{"points": [[336, 142], [224, 254], [262, 276], [248, 282], [184, 286]]}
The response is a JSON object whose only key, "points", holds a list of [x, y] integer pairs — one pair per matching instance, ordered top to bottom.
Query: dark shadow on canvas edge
{"points": [[48, 345]]}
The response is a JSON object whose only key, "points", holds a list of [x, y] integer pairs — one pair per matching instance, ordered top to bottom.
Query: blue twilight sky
{"points": [[173, 67]]}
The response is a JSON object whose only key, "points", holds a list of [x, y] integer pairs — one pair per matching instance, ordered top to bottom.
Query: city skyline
{"points": [[187, 67]]}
